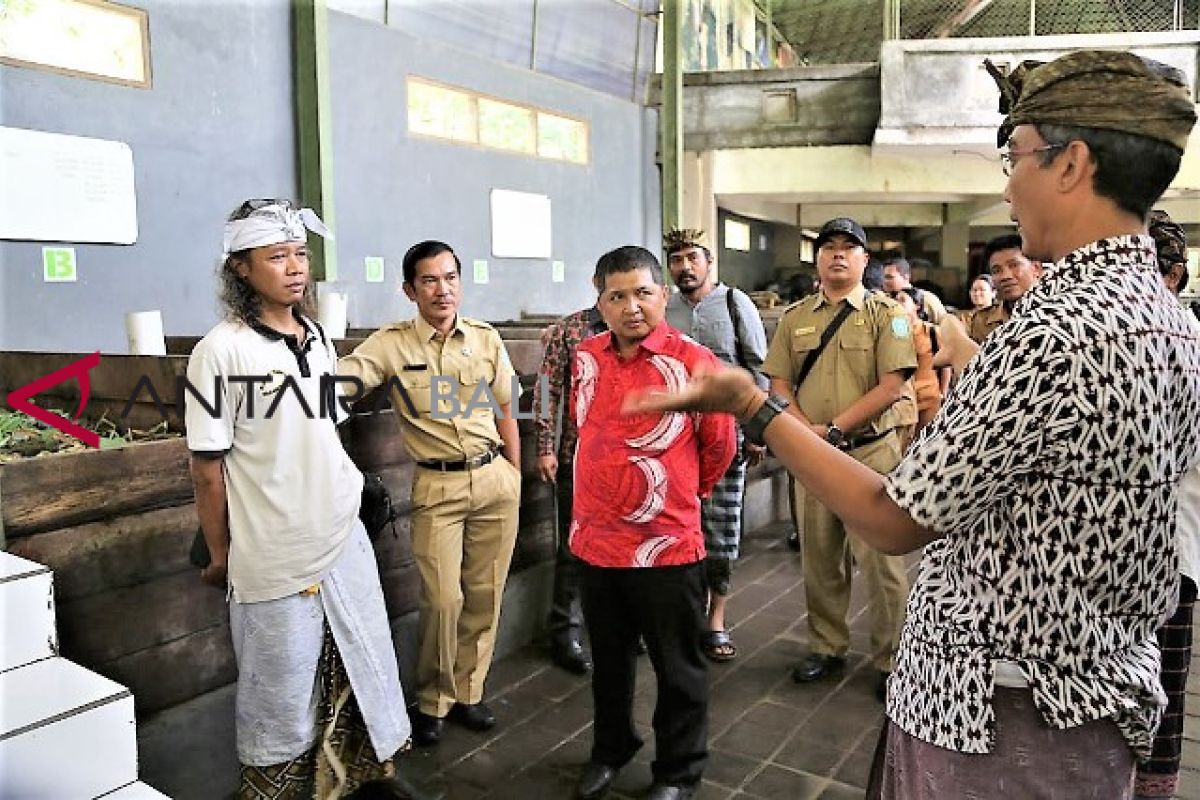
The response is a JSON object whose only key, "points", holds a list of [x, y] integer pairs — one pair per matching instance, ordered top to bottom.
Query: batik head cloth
{"points": [[1103, 89], [268, 222], [678, 239], [1169, 239]]}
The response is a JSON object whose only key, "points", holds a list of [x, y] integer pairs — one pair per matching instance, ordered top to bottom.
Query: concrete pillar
{"points": [[671, 119], [314, 127], [699, 208], [955, 241]]}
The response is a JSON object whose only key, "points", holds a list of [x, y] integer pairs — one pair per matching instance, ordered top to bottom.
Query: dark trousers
{"points": [[665, 606], [565, 617]]}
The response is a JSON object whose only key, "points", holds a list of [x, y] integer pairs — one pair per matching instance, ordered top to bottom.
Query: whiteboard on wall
{"points": [[58, 188], [520, 224]]}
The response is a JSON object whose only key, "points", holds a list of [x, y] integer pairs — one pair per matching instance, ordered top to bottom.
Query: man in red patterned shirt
{"points": [[636, 527]]}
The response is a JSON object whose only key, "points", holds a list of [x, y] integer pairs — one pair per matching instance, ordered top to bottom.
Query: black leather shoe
{"points": [[793, 541], [568, 653], [816, 666], [881, 686], [477, 717], [426, 728], [594, 781], [668, 791]]}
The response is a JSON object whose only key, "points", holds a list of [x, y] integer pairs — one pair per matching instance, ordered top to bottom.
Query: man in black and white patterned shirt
{"points": [[1045, 488]]}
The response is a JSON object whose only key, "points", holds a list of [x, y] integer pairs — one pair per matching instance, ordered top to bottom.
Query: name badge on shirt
{"points": [[804, 331], [415, 367]]}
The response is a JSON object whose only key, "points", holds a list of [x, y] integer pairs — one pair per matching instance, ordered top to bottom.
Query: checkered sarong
{"points": [[721, 512], [1158, 776]]}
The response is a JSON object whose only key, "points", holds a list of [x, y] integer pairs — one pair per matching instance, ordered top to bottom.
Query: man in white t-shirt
{"points": [[278, 501]]}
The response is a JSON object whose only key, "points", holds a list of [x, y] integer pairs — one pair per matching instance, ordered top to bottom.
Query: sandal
{"points": [[718, 646]]}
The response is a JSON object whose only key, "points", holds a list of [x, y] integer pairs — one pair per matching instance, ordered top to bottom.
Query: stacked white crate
{"points": [[65, 732]]}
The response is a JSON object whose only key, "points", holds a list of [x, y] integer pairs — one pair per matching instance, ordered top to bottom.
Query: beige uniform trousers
{"points": [[464, 525], [829, 555]]}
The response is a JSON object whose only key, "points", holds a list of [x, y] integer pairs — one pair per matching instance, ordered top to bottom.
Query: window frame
{"points": [[142, 17], [474, 98]]}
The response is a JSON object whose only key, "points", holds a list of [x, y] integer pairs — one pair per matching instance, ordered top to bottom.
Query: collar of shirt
{"points": [[1082, 264], [856, 298], [426, 332], [273, 335], [653, 342], [300, 351]]}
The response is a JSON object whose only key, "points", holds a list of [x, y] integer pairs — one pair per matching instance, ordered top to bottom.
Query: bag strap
{"points": [[735, 317], [811, 359]]}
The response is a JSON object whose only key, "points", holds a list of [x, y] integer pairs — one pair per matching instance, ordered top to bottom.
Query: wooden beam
{"points": [[314, 127]]}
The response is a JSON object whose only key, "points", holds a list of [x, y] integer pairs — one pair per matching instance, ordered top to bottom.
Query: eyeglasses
{"points": [[1008, 159]]}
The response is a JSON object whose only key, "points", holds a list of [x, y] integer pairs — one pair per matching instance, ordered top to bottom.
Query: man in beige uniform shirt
{"points": [[1013, 273], [849, 397], [466, 486]]}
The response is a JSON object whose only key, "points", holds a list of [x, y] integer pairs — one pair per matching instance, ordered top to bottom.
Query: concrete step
{"points": [[26, 612], [65, 732], [134, 791]]}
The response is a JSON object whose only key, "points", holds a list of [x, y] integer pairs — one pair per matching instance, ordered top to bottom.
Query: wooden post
{"points": [[314, 127]]}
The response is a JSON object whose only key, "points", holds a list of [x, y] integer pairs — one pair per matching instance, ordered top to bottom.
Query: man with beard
{"points": [[724, 320]]}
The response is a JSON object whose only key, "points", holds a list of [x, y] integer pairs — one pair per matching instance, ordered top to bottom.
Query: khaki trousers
{"points": [[464, 525], [829, 555]]}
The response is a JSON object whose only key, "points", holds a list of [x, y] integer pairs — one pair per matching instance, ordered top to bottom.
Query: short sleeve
{"points": [[894, 349], [368, 362], [778, 363], [502, 384], [1014, 396], [209, 417]]}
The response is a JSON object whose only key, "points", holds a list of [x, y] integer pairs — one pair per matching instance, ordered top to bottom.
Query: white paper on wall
{"points": [[58, 188], [520, 224]]}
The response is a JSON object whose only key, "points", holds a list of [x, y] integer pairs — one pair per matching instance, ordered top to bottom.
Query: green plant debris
{"points": [[21, 436]]}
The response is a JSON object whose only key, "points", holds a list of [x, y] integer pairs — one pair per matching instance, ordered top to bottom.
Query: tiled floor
{"points": [[768, 737]]}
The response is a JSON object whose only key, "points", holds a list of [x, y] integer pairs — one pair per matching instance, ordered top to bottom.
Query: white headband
{"points": [[272, 224]]}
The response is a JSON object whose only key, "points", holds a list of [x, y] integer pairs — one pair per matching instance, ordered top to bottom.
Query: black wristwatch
{"points": [[756, 427], [836, 436]]}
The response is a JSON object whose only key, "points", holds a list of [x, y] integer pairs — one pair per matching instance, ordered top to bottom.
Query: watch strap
{"points": [[756, 427]]}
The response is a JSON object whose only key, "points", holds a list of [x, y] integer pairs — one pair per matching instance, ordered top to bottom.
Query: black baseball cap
{"points": [[843, 225]]}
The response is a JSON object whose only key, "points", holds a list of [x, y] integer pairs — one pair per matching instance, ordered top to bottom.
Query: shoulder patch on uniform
{"points": [[477, 323], [402, 325], [901, 328]]}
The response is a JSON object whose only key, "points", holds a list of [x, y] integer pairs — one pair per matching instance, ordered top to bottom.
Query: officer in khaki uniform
{"points": [[1013, 274], [849, 397], [466, 486]]}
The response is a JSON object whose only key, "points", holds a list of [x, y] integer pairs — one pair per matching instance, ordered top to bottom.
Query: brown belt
{"points": [[459, 466]]}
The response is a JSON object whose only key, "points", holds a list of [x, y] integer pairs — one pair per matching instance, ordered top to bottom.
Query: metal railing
{"points": [[939, 19], [810, 24]]}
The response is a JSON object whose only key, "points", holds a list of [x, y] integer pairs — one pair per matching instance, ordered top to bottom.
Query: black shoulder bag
{"points": [[735, 317], [811, 359]]}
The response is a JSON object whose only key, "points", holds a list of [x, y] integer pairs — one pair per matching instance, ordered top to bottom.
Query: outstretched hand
{"points": [[957, 348], [722, 389]]}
